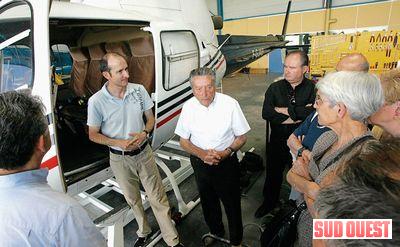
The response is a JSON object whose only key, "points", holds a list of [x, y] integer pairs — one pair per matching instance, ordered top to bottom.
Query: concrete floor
{"points": [[249, 90]]}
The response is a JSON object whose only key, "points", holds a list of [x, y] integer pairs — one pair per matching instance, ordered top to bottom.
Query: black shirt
{"points": [[281, 94]]}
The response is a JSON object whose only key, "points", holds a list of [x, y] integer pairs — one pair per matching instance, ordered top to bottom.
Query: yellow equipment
{"points": [[381, 48]]}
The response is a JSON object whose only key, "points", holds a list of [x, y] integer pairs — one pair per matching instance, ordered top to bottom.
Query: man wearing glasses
{"points": [[287, 103]]}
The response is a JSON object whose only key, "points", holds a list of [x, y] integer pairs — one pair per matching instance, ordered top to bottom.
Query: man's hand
{"points": [[282, 110], [290, 121], [138, 138], [134, 143], [125, 145], [223, 154], [210, 157]]}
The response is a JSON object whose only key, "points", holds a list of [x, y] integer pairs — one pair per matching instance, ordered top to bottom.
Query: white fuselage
{"points": [[183, 38]]}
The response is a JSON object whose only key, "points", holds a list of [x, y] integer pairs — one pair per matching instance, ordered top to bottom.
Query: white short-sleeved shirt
{"points": [[119, 117], [212, 127]]}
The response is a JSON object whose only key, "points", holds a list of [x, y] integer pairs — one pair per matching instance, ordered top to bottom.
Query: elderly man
{"points": [[287, 103], [388, 116], [115, 119], [212, 128], [31, 213]]}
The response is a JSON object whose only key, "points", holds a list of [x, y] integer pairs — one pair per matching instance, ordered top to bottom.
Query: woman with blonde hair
{"points": [[388, 116]]}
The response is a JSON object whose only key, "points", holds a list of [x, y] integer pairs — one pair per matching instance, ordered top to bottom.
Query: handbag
{"points": [[281, 231]]}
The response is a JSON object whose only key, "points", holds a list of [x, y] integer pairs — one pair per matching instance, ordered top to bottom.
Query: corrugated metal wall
{"points": [[234, 9], [239, 9], [349, 16]]}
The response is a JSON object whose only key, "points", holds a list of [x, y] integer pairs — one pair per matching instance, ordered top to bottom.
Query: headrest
{"points": [[142, 46], [119, 48], [96, 52], [77, 54], [79, 71]]}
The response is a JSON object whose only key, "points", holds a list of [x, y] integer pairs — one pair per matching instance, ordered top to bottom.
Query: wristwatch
{"points": [[231, 151], [300, 151]]}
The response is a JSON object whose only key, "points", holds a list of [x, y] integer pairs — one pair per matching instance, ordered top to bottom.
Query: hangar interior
{"points": [[256, 17], [318, 27]]}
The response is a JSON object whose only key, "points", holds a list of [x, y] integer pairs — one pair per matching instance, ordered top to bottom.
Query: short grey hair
{"points": [[202, 71], [360, 92]]}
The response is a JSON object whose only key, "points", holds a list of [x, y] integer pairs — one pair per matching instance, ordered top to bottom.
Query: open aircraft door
{"points": [[176, 54], [25, 63]]}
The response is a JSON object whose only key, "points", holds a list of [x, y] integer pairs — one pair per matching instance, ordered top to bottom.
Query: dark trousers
{"points": [[278, 156], [220, 182]]}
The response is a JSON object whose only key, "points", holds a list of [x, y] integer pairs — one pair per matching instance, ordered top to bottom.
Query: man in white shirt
{"points": [[212, 128], [31, 213]]}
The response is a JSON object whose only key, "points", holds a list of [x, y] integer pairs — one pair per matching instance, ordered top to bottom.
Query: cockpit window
{"points": [[16, 54]]}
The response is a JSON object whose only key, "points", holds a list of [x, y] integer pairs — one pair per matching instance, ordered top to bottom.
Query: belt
{"points": [[130, 153]]}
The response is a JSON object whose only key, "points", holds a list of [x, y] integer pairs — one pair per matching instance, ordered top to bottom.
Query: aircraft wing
{"points": [[241, 50]]}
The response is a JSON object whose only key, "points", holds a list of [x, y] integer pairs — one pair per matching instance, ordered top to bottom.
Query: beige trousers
{"points": [[128, 170]]}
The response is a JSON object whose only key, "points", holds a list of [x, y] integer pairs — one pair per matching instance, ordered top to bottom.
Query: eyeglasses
{"points": [[292, 97], [319, 100]]}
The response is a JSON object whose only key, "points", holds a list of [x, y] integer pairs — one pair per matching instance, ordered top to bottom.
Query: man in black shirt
{"points": [[287, 103]]}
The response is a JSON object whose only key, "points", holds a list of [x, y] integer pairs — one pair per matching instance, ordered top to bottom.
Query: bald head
{"points": [[105, 61], [353, 62]]}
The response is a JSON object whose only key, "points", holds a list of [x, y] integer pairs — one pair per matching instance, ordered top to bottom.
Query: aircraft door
{"points": [[23, 31], [179, 55]]}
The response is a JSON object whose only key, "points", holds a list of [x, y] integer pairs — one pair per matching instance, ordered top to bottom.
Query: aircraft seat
{"points": [[119, 48], [142, 62], [79, 71], [94, 78], [72, 99]]}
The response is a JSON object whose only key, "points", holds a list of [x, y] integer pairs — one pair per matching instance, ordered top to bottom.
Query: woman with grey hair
{"points": [[344, 101]]}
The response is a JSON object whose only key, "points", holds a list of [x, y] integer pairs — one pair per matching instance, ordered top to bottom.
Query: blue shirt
{"points": [[118, 117], [311, 130], [33, 214]]}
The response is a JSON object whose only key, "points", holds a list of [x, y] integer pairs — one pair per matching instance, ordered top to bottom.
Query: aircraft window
{"points": [[180, 56], [61, 60], [16, 67]]}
